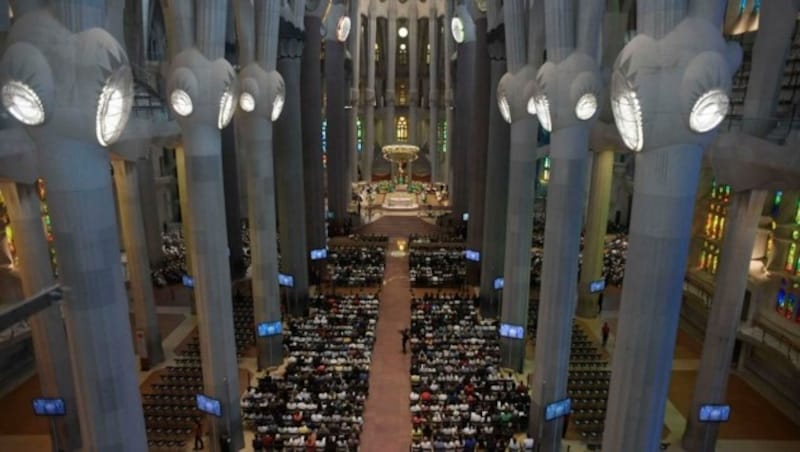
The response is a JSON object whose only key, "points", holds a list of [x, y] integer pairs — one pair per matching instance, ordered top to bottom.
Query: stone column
{"points": [[447, 38], [355, 55], [413, 79], [433, 96], [369, 102], [464, 102], [311, 119], [337, 126], [389, 129], [478, 146], [289, 170], [496, 200], [183, 202], [149, 203], [81, 205], [744, 212], [233, 216], [596, 225], [134, 240], [47, 327]]}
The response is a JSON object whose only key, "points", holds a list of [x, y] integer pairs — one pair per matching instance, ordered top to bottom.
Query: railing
{"points": [[776, 341]]}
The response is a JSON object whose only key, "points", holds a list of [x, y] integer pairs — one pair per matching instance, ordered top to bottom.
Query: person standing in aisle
{"points": [[606, 330], [406, 337], [198, 435]]}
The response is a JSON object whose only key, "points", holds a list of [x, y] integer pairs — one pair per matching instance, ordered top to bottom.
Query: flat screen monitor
{"points": [[330, 215], [465, 216], [318, 254], [471, 255], [285, 280], [187, 281], [499, 283], [597, 286], [267, 329], [512, 331], [208, 405], [49, 407], [557, 409], [714, 413]]}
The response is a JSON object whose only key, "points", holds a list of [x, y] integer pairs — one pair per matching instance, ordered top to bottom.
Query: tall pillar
{"points": [[447, 38], [572, 49], [355, 55], [200, 67], [413, 78], [259, 79], [465, 90], [433, 96], [369, 101], [311, 123], [389, 129], [478, 146], [289, 169], [338, 175], [521, 175], [126, 181], [496, 200], [183, 202], [81, 204], [149, 205], [744, 212], [233, 216], [596, 225], [47, 327]]}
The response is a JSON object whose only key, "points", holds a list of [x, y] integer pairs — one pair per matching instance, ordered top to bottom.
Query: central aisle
{"points": [[387, 420]]}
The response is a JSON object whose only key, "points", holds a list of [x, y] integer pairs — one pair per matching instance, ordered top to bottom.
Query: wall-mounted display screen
{"points": [[465, 216], [318, 254], [471, 255], [285, 280], [187, 281], [499, 283], [597, 286], [266, 329], [512, 331], [208, 405], [49, 407], [557, 409], [714, 413]]}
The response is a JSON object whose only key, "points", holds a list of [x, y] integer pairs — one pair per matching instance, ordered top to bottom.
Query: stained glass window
{"points": [[402, 128], [359, 135], [791, 257]]}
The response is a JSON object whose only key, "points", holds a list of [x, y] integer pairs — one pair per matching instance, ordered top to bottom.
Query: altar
{"points": [[400, 200]]}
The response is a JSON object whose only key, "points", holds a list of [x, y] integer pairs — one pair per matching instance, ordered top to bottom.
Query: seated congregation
{"points": [[356, 266], [460, 397], [317, 402]]}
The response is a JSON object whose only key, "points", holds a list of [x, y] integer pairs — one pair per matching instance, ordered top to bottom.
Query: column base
{"points": [[270, 351], [512, 353]]}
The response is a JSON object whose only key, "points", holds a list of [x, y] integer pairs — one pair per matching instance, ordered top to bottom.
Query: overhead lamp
{"points": [[457, 27], [343, 28], [402, 32], [403, 46], [181, 102], [247, 102], [23, 103], [114, 106], [277, 106], [532, 106], [542, 106], [586, 106], [226, 107], [504, 107], [709, 110], [627, 112]]}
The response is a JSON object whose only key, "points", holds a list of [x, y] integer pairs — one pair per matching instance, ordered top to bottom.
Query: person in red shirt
{"points": [[606, 330], [425, 396], [198, 435]]}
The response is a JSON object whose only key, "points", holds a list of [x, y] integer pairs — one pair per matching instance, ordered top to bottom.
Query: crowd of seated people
{"points": [[369, 238], [416, 239], [614, 260], [356, 266], [443, 267], [460, 398], [318, 402]]}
